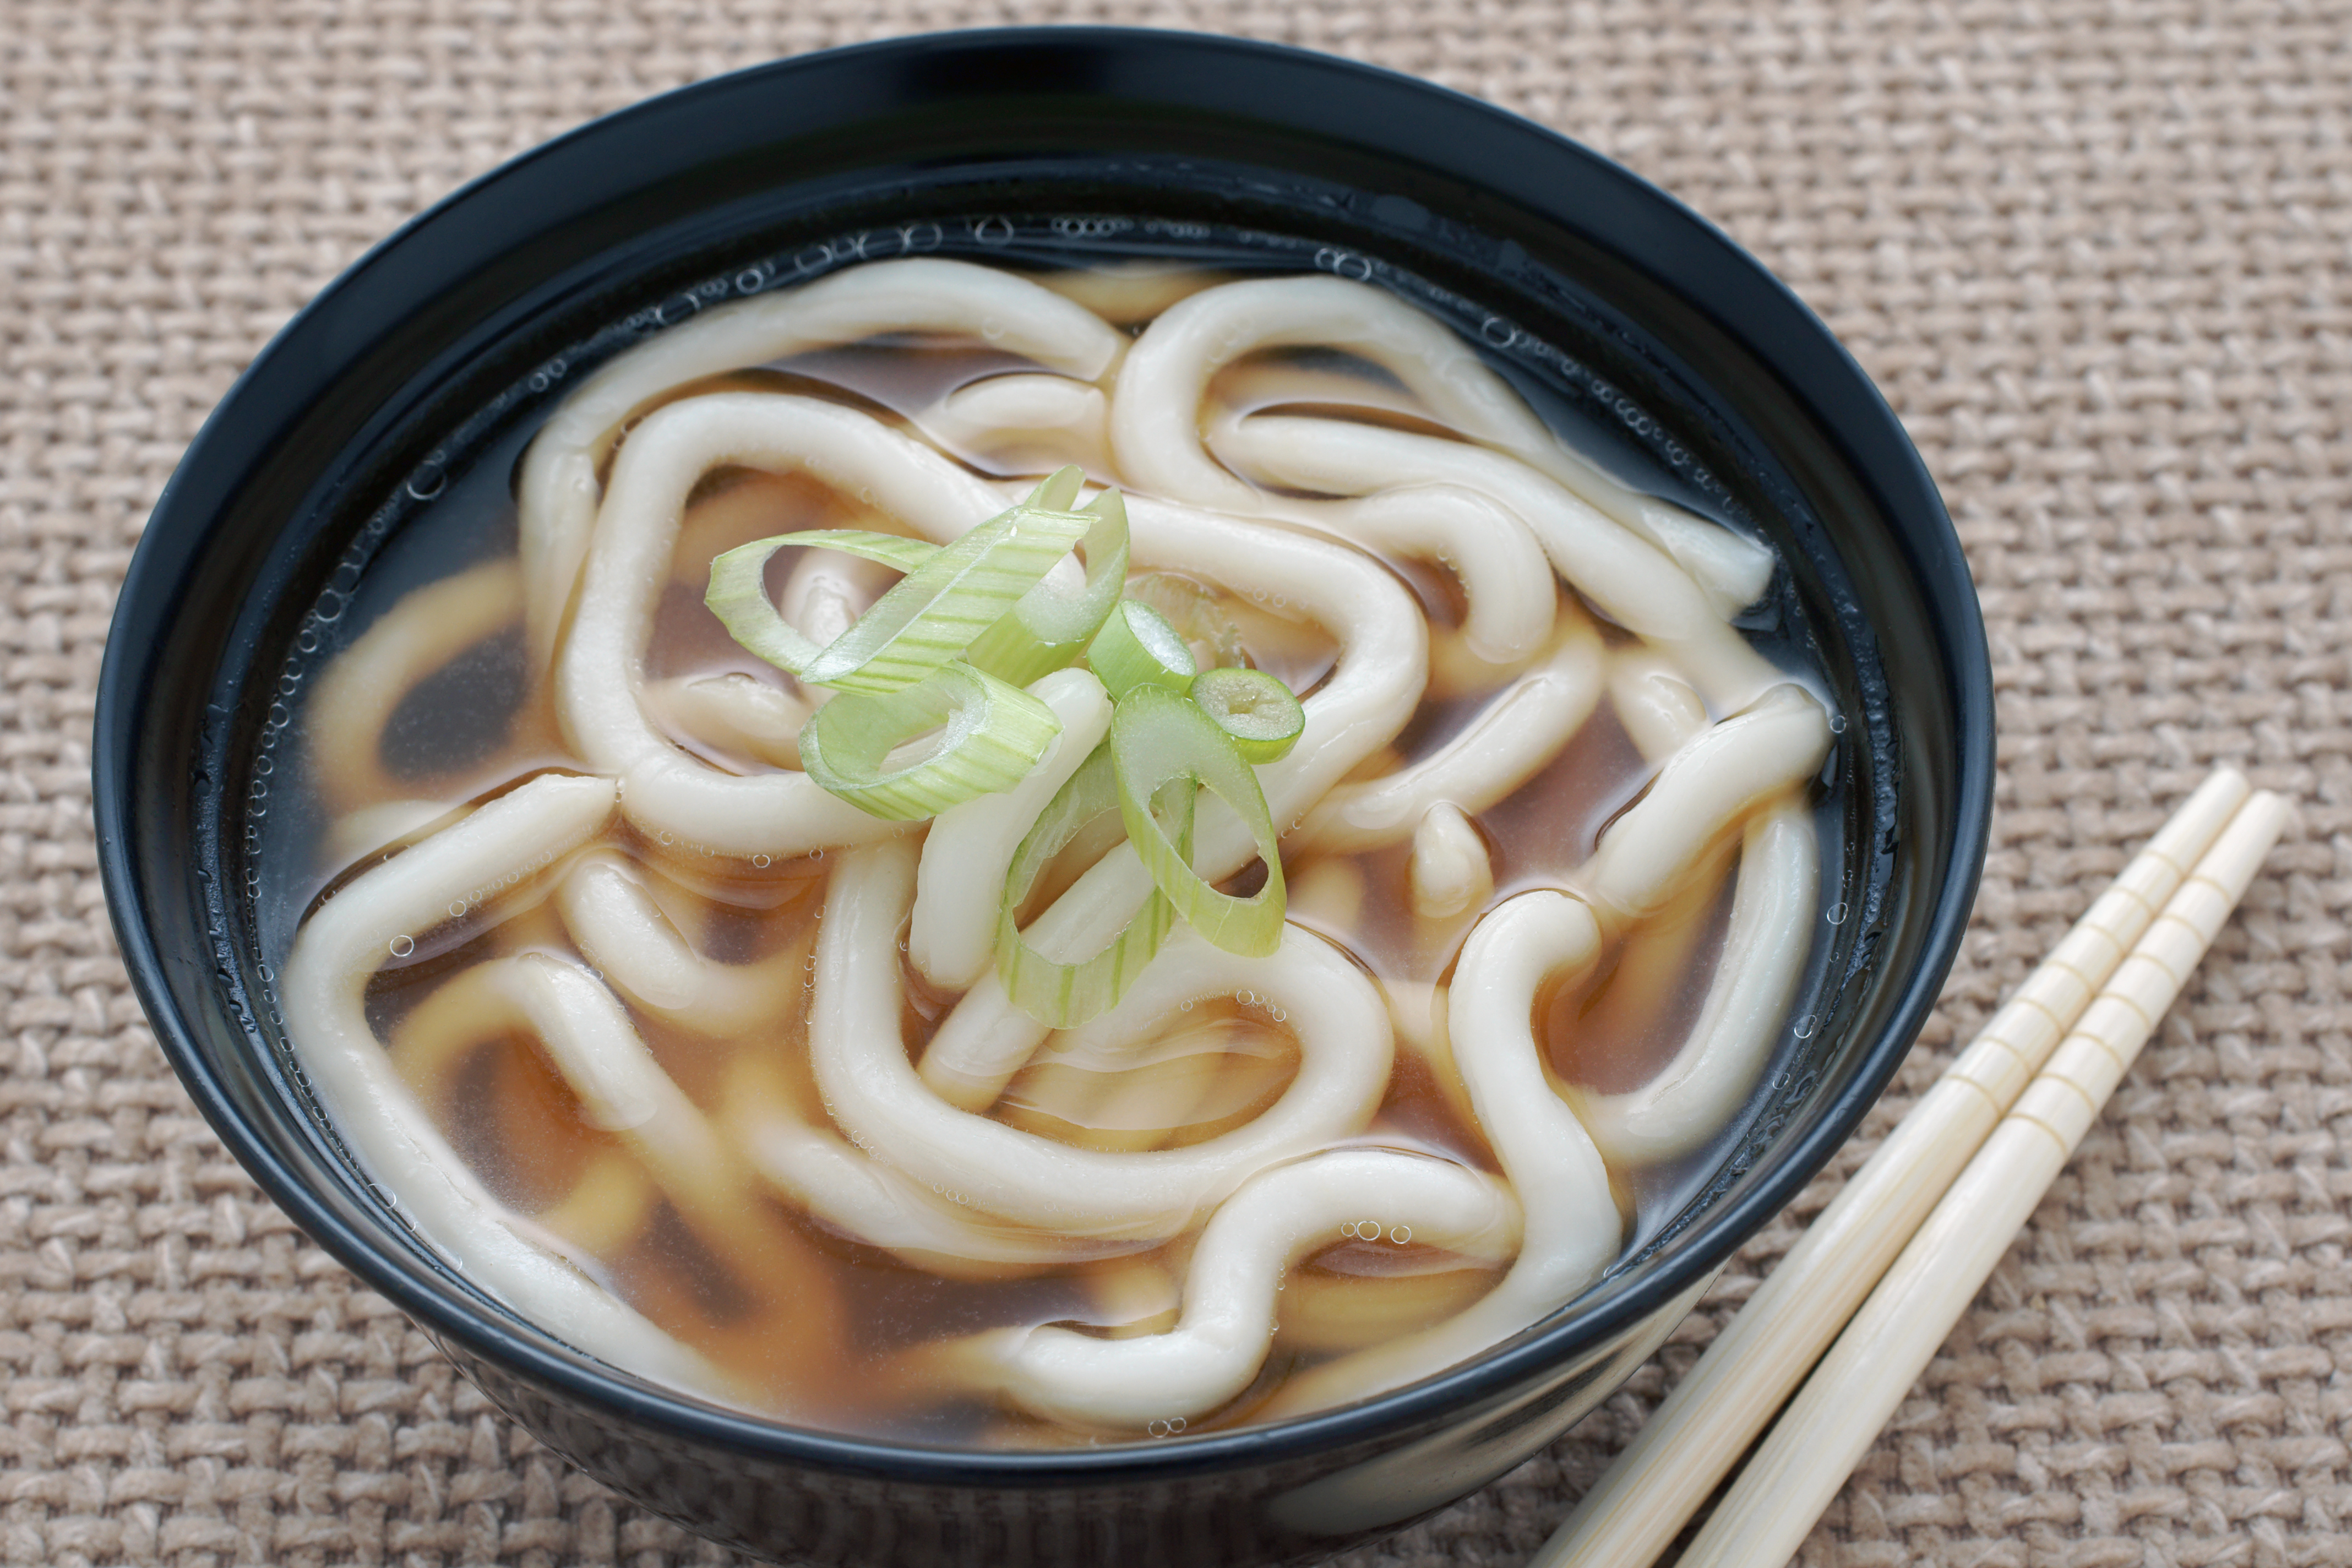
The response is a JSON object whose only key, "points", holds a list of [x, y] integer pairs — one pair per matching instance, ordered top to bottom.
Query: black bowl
{"points": [[1637, 317]]}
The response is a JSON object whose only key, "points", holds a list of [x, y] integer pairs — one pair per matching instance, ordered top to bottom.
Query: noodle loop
{"points": [[599, 676], [861, 1066], [1226, 1322]]}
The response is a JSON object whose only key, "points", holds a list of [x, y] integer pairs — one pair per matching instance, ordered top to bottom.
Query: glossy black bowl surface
{"points": [[1660, 333]]}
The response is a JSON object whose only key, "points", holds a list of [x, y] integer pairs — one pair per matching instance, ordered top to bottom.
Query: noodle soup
{"points": [[1029, 859]]}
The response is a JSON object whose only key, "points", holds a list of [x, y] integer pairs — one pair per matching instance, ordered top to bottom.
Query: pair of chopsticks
{"points": [[1925, 1221]]}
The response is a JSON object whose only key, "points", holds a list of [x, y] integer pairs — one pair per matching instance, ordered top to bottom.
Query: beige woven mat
{"points": [[2098, 252]]}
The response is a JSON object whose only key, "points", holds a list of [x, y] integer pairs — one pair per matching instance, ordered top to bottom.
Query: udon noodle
{"points": [[680, 1052]]}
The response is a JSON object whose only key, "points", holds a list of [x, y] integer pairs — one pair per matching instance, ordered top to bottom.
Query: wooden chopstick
{"points": [[1843, 1407], [1693, 1439]]}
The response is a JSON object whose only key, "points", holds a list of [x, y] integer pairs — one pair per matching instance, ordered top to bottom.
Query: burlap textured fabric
{"points": [[2098, 253]]}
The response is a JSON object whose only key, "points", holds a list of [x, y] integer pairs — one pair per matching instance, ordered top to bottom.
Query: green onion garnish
{"points": [[948, 597], [1194, 612], [1047, 630], [1137, 647], [1255, 710], [930, 714], [993, 734], [1159, 740], [1063, 995]]}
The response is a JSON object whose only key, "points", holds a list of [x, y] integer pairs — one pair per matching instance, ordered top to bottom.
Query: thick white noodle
{"points": [[1130, 294], [1266, 385], [1155, 416], [1024, 424], [558, 496], [1731, 569], [1506, 579], [1631, 579], [1506, 583], [823, 596], [1382, 668], [1456, 672], [601, 675], [358, 692], [1657, 707], [736, 712], [1511, 739], [1712, 782], [371, 829], [970, 847], [1450, 870], [1774, 911], [615, 923], [322, 991], [1417, 1011], [588, 1036], [873, 1092], [1138, 1094], [1694, 1097], [613, 1196], [868, 1201], [607, 1208], [1573, 1229], [1228, 1317]]}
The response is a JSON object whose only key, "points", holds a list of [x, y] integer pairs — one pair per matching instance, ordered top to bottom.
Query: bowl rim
{"points": [[1752, 305]]}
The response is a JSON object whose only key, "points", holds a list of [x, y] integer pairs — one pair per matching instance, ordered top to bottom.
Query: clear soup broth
{"points": [[1552, 847]]}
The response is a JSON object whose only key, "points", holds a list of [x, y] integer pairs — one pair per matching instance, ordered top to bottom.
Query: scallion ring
{"points": [[1058, 489], [1194, 612], [929, 616], [1046, 629], [1137, 647], [1257, 712], [991, 735], [1159, 739], [1060, 995]]}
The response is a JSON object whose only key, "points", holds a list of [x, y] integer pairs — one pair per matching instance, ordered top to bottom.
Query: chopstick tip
{"points": [[2278, 808], [2237, 857]]}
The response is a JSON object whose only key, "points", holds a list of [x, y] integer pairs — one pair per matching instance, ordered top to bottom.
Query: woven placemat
{"points": [[2098, 253]]}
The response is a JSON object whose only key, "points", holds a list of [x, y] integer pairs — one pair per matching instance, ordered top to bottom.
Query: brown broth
{"points": [[819, 1328]]}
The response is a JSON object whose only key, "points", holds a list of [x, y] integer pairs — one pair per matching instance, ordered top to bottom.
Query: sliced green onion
{"points": [[1058, 489], [892, 550], [737, 595], [1195, 614], [928, 618], [1046, 631], [1137, 647], [1257, 711], [993, 734], [1159, 740], [1062, 996]]}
